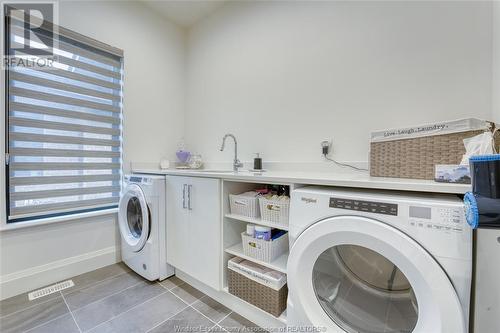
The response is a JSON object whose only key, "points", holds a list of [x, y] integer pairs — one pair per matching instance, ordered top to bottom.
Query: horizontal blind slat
{"points": [[61, 59], [71, 63], [88, 67], [17, 76], [75, 76], [22, 92], [16, 106], [16, 121], [62, 139], [62, 152], [25, 166], [16, 181], [62, 192], [63, 206]]}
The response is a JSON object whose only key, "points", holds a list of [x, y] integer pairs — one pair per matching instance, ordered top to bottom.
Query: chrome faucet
{"points": [[236, 163]]}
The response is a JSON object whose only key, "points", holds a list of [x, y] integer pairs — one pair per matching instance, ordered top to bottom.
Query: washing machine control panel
{"points": [[138, 180], [365, 206], [437, 219]]}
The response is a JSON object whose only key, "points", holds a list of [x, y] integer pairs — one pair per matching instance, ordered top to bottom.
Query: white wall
{"points": [[496, 62], [154, 71], [303, 71], [153, 124]]}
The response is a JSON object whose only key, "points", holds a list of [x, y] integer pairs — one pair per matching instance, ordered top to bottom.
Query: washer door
{"points": [[134, 218], [355, 274]]}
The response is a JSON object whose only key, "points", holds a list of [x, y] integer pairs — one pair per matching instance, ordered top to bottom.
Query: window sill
{"points": [[50, 220]]}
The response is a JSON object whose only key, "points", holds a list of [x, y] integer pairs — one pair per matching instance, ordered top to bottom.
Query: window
{"points": [[64, 127]]}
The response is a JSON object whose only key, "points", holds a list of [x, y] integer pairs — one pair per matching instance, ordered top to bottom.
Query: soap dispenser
{"points": [[257, 162]]}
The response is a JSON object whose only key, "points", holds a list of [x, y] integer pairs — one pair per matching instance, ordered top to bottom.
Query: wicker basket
{"points": [[416, 157], [244, 205], [274, 210], [263, 250], [263, 297]]}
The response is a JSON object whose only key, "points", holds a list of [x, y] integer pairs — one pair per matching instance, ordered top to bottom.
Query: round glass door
{"points": [[134, 217], [362, 291]]}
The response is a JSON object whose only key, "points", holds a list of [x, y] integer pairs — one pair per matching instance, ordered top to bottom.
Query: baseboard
{"points": [[26, 280]]}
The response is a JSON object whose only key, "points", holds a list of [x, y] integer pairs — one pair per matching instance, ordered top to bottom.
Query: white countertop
{"points": [[343, 179]]}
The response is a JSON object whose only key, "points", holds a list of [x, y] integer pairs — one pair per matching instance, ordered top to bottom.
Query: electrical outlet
{"points": [[326, 147]]}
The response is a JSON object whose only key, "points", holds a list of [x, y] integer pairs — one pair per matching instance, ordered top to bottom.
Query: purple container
{"points": [[183, 156]]}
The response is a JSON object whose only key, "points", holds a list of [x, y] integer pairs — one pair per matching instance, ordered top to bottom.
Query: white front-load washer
{"points": [[142, 221], [375, 261]]}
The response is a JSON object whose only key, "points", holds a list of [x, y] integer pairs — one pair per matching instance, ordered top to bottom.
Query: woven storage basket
{"points": [[417, 157], [244, 205], [274, 210], [264, 250], [263, 297]]}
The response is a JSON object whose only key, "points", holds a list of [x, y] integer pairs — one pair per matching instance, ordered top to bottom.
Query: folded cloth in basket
{"points": [[263, 275]]}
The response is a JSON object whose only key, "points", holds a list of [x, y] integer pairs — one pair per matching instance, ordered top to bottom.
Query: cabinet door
{"points": [[177, 222], [205, 230]]}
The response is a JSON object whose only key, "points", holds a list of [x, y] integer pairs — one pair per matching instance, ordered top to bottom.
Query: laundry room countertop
{"points": [[343, 179]]}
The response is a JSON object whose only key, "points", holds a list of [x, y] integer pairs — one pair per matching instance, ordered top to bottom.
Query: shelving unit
{"points": [[256, 221], [234, 225], [279, 264]]}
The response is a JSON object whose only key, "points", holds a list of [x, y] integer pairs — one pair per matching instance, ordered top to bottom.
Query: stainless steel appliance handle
{"points": [[184, 196], [189, 197]]}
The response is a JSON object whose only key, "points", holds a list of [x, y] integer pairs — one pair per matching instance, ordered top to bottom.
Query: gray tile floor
{"points": [[115, 299]]}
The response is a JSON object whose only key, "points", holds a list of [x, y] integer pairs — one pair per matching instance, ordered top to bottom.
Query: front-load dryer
{"points": [[142, 222], [374, 261]]}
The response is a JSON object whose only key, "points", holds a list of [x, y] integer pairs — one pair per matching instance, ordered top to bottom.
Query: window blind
{"points": [[64, 126]]}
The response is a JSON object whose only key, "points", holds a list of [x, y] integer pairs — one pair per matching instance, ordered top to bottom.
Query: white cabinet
{"points": [[193, 227]]}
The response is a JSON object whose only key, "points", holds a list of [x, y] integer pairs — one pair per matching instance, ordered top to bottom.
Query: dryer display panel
{"points": [[365, 206]]}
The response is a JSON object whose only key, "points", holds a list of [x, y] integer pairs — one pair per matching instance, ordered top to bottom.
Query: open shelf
{"points": [[256, 221], [279, 264], [281, 318]]}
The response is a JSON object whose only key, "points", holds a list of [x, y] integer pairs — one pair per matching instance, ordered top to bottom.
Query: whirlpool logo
{"points": [[308, 200]]}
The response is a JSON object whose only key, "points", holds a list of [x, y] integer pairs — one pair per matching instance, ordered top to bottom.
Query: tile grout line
{"points": [[94, 284], [169, 289], [113, 294], [51, 299], [182, 299], [198, 300], [191, 304], [29, 307], [195, 309], [71, 313], [230, 313], [119, 314], [164, 321], [220, 321], [44, 323], [222, 328]]}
